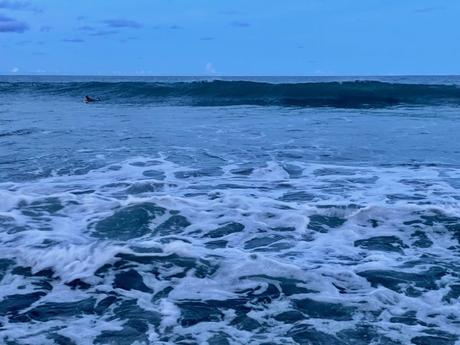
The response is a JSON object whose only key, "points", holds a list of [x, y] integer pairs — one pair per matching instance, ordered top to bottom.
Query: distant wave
{"points": [[353, 94]]}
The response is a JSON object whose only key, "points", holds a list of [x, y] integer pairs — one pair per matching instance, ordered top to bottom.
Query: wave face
{"points": [[349, 94]]}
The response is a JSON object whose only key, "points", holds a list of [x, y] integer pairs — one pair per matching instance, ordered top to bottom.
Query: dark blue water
{"points": [[269, 211]]}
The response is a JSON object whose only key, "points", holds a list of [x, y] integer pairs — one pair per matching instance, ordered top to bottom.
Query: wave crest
{"points": [[353, 94]]}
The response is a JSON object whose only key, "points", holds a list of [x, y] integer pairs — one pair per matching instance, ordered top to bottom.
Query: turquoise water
{"points": [[162, 220]]}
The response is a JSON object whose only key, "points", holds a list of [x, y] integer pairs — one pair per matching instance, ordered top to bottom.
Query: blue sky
{"points": [[239, 37]]}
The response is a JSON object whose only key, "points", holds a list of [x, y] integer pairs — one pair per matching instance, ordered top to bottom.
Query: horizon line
{"points": [[231, 76]]}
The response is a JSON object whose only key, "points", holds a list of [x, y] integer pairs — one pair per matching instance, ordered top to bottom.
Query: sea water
{"points": [[264, 211]]}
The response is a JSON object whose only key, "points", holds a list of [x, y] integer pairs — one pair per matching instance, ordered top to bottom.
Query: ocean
{"points": [[287, 210]]}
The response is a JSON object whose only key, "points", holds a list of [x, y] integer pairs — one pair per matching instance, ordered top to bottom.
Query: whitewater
{"points": [[231, 211]]}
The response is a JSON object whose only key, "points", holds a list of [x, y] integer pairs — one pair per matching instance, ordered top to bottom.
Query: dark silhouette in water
{"points": [[89, 99]]}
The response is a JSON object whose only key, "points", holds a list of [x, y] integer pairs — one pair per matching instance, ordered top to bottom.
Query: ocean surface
{"points": [[320, 211]]}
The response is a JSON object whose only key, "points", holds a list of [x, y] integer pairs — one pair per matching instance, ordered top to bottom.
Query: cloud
{"points": [[18, 5], [428, 9], [229, 12], [123, 23], [8, 24], [240, 24], [167, 27], [46, 28], [86, 28], [95, 31], [104, 33], [207, 38], [127, 39], [73, 40], [210, 68], [14, 70]]}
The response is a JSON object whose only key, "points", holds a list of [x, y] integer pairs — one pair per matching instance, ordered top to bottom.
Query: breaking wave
{"points": [[349, 94]]}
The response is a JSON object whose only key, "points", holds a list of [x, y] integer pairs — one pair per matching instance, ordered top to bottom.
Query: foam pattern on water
{"points": [[150, 251]]}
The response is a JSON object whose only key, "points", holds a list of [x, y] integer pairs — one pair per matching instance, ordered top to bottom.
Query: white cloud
{"points": [[210, 68], [14, 70]]}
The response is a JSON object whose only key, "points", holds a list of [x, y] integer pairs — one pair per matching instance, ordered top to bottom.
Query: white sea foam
{"points": [[276, 228]]}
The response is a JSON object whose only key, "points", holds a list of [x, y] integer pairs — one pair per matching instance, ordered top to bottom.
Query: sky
{"points": [[238, 37]]}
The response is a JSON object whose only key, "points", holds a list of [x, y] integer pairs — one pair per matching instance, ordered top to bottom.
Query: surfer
{"points": [[89, 99]]}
